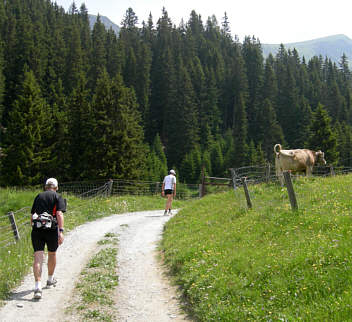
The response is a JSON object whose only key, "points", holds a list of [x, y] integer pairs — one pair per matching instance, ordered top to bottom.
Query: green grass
{"points": [[16, 259], [268, 263], [98, 280]]}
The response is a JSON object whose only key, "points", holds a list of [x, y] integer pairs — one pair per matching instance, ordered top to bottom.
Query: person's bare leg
{"points": [[169, 202], [51, 263], [37, 265]]}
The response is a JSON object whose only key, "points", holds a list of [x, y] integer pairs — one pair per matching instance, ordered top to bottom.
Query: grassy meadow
{"points": [[16, 258], [268, 263]]}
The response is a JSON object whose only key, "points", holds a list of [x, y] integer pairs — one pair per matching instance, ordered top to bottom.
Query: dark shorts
{"points": [[168, 192], [40, 237]]}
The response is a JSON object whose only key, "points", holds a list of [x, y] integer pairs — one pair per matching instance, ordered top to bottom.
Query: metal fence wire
{"points": [[266, 173], [118, 187], [105, 188], [22, 222]]}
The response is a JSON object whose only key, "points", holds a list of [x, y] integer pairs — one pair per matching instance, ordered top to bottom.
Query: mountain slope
{"points": [[106, 21], [333, 47]]}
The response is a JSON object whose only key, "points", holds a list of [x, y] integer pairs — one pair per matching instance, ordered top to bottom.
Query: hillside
{"points": [[333, 47], [268, 263]]}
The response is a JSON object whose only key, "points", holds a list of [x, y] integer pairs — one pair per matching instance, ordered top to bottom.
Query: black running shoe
{"points": [[51, 283], [37, 294]]}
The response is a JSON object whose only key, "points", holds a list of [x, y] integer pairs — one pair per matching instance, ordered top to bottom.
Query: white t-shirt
{"points": [[169, 182]]}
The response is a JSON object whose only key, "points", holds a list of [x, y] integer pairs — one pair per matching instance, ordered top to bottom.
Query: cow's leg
{"points": [[278, 170], [309, 171], [281, 177]]}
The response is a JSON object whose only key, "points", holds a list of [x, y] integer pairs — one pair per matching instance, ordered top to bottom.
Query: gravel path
{"points": [[143, 293]]}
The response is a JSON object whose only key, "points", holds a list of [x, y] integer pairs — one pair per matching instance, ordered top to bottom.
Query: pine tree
{"points": [[98, 54], [252, 55], [74, 60], [163, 81], [2, 87], [81, 123], [240, 127], [269, 130], [183, 131], [323, 136], [118, 143], [344, 143], [158, 148], [27, 152], [127, 156], [217, 159], [156, 161]]}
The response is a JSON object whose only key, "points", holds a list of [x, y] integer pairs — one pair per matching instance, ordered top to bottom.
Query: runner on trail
{"points": [[168, 189], [47, 223]]}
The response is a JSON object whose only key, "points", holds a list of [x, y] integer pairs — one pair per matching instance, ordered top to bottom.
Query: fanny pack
{"points": [[44, 221]]}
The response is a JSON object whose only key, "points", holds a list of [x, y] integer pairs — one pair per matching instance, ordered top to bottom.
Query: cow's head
{"points": [[319, 157]]}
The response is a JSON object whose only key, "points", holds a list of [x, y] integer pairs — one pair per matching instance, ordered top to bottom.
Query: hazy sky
{"points": [[272, 21]]}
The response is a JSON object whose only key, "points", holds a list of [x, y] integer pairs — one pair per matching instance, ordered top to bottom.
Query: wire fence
{"points": [[266, 173], [118, 187], [106, 188], [6, 229]]}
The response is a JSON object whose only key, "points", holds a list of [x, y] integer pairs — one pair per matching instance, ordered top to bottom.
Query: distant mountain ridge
{"points": [[106, 22], [332, 47]]}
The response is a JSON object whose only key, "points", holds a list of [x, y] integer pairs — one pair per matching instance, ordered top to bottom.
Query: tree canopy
{"points": [[82, 103]]}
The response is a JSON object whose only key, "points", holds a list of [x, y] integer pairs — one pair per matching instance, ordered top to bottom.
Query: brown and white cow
{"points": [[297, 160]]}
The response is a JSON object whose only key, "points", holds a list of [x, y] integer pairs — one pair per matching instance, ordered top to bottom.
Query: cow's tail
{"points": [[277, 148]]}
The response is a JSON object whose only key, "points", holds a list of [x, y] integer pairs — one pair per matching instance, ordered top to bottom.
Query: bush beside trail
{"points": [[267, 263]]}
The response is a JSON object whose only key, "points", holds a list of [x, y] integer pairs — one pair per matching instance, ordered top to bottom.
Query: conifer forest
{"points": [[79, 103]]}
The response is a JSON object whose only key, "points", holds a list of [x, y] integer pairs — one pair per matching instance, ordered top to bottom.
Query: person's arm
{"points": [[162, 189], [175, 189], [60, 223]]}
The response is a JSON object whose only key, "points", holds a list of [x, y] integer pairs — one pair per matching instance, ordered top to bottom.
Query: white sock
{"points": [[50, 278], [38, 285]]}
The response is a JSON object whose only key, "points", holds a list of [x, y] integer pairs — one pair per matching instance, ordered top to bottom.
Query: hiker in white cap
{"points": [[168, 189], [47, 223]]}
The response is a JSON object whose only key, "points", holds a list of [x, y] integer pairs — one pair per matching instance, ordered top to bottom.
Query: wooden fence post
{"points": [[268, 172], [332, 172], [233, 176], [244, 182], [110, 183], [202, 185], [291, 192], [13, 225]]}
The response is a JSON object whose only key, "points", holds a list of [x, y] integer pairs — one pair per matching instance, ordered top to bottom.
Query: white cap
{"points": [[173, 172], [52, 181]]}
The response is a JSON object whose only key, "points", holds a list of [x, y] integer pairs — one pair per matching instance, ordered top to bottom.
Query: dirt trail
{"points": [[143, 293]]}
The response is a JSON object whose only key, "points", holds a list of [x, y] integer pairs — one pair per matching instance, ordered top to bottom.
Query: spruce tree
{"points": [[98, 54], [252, 55], [240, 127], [80, 130], [269, 130], [183, 131], [323, 136], [158, 148], [27, 153], [126, 159], [217, 159]]}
